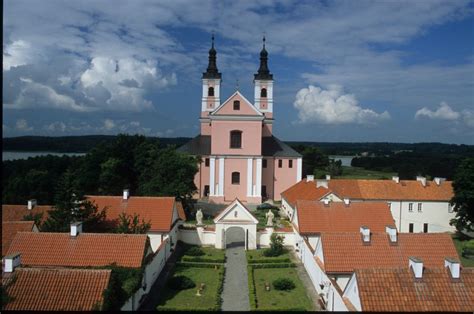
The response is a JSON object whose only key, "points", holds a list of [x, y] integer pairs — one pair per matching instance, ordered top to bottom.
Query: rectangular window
{"points": [[236, 105], [236, 139], [206, 162], [264, 163], [280, 163], [290, 163], [235, 178], [206, 190], [264, 191], [410, 207], [419, 207], [410, 228], [425, 228]]}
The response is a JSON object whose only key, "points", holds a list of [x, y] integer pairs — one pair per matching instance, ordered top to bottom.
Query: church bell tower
{"points": [[211, 82], [263, 82]]}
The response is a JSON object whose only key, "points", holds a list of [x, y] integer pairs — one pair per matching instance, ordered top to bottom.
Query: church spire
{"points": [[263, 71], [212, 72]]}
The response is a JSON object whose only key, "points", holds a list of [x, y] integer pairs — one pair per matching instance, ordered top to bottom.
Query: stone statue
{"points": [[199, 217], [269, 217]]}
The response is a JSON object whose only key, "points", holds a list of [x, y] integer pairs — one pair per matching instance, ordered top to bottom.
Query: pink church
{"points": [[240, 156]]}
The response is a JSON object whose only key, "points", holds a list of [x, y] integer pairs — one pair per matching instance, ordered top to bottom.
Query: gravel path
{"points": [[235, 296]]}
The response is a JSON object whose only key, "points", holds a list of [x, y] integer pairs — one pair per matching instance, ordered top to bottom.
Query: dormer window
{"points": [[210, 91], [263, 93], [236, 105], [235, 139]]}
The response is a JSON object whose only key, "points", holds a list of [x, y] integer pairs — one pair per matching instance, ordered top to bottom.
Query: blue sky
{"points": [[344, 71]]}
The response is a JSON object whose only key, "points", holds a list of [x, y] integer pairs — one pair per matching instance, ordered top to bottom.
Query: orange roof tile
{"points": [[390, 190], [303, 191], [157, 210], [17, 212], [181, 213], [315, 217], [9, 230], [87, 249], [344, 252], [41, 289], [396, 290]]}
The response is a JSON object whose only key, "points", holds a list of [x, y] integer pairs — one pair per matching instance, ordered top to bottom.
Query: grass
{"points": [[361, 173], [206, 221], [460, 240], [210, 252], [258, 255], [187, 299], [280, 300]]}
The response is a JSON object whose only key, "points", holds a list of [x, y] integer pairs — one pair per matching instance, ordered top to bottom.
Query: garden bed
{"points": [[211, 255], [257, 257], [187, 300], [276, 300]]}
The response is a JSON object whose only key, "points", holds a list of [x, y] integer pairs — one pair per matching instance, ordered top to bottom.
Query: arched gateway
{"points": [[234, 225]]}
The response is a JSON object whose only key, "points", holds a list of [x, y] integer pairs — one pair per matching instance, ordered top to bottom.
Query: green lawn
{"points": [[360, 173], [461, 240], [209, 252], [258, 255], [187, 299], [280, 300]]}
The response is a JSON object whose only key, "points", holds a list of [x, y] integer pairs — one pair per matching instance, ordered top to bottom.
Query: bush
{"points": [[276, 246], [194, 251], [202, 259], [268, 261], [181, 283], [284, 284]]}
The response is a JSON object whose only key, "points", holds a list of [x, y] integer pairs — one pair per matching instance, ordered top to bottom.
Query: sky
{"points": [[344, 71]]}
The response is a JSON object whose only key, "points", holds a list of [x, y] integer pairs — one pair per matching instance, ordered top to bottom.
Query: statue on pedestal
{"points": [[199, 217], [269, 217]]}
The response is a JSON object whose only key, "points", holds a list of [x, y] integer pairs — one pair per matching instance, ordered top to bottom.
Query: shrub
{"points": [[276, 246], [194, 251], [202, 259], [181, 283], [284, 284]]}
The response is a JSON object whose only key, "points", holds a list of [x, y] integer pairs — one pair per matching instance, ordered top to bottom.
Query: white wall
{"points": [[286, 209], [198, 236], [264, 238], [155, 240], [313, 241], [352, 293]]}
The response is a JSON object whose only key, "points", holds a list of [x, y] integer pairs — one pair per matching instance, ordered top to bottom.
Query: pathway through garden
{"points": [[235, 296]]}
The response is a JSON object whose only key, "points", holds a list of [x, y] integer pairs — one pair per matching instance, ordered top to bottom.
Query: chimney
{"points": [[328, 177], [309, 178], [396, 179], [421, 179], [439, 180], [322, 183], [126, 194], [347, 201], [326, 202], [31, 204], [76, 228], [365, 232], [392, 233], [11, 262], [417, 265], [454, 267]]}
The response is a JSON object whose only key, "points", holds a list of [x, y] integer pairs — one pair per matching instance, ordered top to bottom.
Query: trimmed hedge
{"points": [[194, 251], [198, 259], [268, 261], [199, 265], [274, 265], [284, 284], [252, 290], [218, 306]]}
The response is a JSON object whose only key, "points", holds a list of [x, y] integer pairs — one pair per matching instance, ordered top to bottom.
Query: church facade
{"points": [[240, 156]]}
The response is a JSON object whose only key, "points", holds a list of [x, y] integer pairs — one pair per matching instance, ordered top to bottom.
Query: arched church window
{"points": [[210, 91], [263, 93], [236, 105], [235, 139], [235, 177]]}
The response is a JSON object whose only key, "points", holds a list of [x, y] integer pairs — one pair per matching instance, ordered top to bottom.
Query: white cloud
{"points": [[17, 53], [332, 106], [444, 112], [468, 117], [109, 124], [22, 125], [56, 127]]}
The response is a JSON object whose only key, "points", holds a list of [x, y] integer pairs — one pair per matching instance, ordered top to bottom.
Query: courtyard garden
{"points": [[465, 247], [196, 282]]}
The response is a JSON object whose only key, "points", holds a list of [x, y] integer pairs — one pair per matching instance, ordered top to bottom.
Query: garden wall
{"points": [[198, 236]]}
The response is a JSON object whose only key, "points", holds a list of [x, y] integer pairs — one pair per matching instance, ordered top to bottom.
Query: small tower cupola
{"points": [[212, 72], [263, 72], [211, 81], [263, 90]]}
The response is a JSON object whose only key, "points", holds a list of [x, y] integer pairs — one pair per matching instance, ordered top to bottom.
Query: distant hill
{"points": [[71, 144]]}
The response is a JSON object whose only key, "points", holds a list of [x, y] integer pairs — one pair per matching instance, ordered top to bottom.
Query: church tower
{"points": [[211, 82], [263, 82]]}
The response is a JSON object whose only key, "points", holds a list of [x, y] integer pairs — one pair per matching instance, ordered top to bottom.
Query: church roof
{"points": [[271, 147]]}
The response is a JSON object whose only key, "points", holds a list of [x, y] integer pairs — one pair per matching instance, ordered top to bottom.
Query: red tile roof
{"points": [[371, 190], [390, 190], [303, 191], [157, 210], [17, 212], [315, 217], [9, 230], [87, 249], [344, 252], [41, 289], [396, 290]]}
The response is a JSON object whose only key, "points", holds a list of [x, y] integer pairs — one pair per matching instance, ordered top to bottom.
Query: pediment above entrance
{"points": [[244, 108], [236, 213]]}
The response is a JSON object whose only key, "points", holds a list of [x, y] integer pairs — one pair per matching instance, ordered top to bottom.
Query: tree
{"points": [[313, 159], [335, 167], [463, 199], [71, 206], [37, 218], [131, 224], [276, 245]]}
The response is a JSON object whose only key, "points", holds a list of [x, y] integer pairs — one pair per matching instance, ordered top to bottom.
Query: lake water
{"points": [[7, 155], [345, 160]]}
